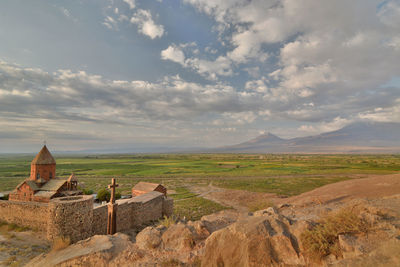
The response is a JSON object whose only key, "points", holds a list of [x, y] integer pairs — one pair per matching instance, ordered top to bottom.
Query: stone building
{"points": [[42, 185], [144, 187]]}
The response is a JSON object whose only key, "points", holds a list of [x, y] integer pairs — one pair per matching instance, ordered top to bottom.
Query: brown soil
{"points": [[370, 187], [17, 248]]}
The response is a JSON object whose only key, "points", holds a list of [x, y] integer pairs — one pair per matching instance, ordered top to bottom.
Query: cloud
{"points": [[131, 3], [110, 23], [146, 25], [340, 47], [174, 54], [209, 69], [83, 97], [336, 124]]}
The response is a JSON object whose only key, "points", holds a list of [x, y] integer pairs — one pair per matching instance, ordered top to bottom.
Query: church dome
{"points": [[44, 157]]}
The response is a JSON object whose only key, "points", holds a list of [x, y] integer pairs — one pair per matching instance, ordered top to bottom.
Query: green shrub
{"points": [[87, 191], [104, 195], [117, 195]]}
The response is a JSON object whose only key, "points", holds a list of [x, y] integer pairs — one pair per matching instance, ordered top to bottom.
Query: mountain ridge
{"points": [[358, 137]]}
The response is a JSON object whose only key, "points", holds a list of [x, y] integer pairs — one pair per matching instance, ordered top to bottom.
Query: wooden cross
{"points": [[112, 186]]}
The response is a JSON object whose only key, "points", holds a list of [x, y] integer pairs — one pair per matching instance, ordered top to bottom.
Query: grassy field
{"points": [[281, 174]]}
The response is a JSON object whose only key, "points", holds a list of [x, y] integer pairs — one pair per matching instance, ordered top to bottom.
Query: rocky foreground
{"points": [[355, 232]]}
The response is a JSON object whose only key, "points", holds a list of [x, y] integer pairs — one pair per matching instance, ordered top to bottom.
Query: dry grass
{"points": [[259, 205], [167, 221], [12, 227], [322, 240], [60, 243], [11, 261], [171, 263]]}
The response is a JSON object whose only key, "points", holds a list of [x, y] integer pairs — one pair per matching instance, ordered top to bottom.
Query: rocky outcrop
{"points": [[216, 221], [178, 237], [148, 238], [262, 240], [99, 250]]}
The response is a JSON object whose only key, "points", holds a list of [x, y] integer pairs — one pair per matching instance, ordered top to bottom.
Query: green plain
{"points": [[284, 175]]}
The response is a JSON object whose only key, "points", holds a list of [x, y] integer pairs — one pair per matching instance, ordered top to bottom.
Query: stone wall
{"points": [[168, 207], [147, 208], [133, 213], [30, 214], [70, 216], [124, 216], [75, 217], [99, 224]]}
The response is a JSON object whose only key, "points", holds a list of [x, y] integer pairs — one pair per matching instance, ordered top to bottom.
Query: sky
{"points": [[118, 74]]}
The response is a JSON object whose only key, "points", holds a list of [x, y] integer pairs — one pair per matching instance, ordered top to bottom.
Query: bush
{"points": [[87, 191], [104, 195], [117, 195], [5, 197], [167, 221], [322, 239]]}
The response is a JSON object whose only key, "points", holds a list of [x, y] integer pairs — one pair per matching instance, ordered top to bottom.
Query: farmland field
{"points": [[284, 175]]}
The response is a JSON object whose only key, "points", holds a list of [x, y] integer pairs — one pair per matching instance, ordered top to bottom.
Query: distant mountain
{"points": [[360, 137]]}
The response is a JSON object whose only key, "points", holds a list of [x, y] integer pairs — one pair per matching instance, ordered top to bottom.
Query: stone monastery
{"points": [[43, 185], [55, 206]]}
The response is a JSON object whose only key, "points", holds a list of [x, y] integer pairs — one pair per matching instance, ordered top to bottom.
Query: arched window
{"points": [[37, 175], [51, 175]]}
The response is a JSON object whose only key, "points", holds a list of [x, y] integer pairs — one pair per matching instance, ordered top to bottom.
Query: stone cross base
{"points": [[112, 219]]}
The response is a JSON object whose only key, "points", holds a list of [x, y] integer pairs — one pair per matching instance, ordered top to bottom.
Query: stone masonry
{"points": [[75, 217]]}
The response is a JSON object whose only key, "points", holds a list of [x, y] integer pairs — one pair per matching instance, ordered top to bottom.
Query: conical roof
{"points": [[44, 157], [72, 178]]}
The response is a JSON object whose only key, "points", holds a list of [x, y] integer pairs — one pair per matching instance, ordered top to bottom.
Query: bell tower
{"points": [[43, 166]]}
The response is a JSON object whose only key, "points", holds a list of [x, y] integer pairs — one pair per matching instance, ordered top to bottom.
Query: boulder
{"points": [[267, 211], [219, 220], [299, 227], [198, 229], [149, 237], [178, 237], [253, 241], [350, 246]]}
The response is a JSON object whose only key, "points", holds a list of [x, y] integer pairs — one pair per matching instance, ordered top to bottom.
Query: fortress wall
{"points": [[168, 207], [147, 208], [133, 213], [30, 214], [124, 216], [70, 217], [75, 217], [99, 225]]}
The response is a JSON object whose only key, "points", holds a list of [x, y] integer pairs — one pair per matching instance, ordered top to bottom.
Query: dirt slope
{"points": [[370, 188]]}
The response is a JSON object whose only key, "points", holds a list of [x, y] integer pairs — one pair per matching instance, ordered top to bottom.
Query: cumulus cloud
{"points": [[146, 25], [339, 48], [173, 53], [210, 69], [80, 96]]}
